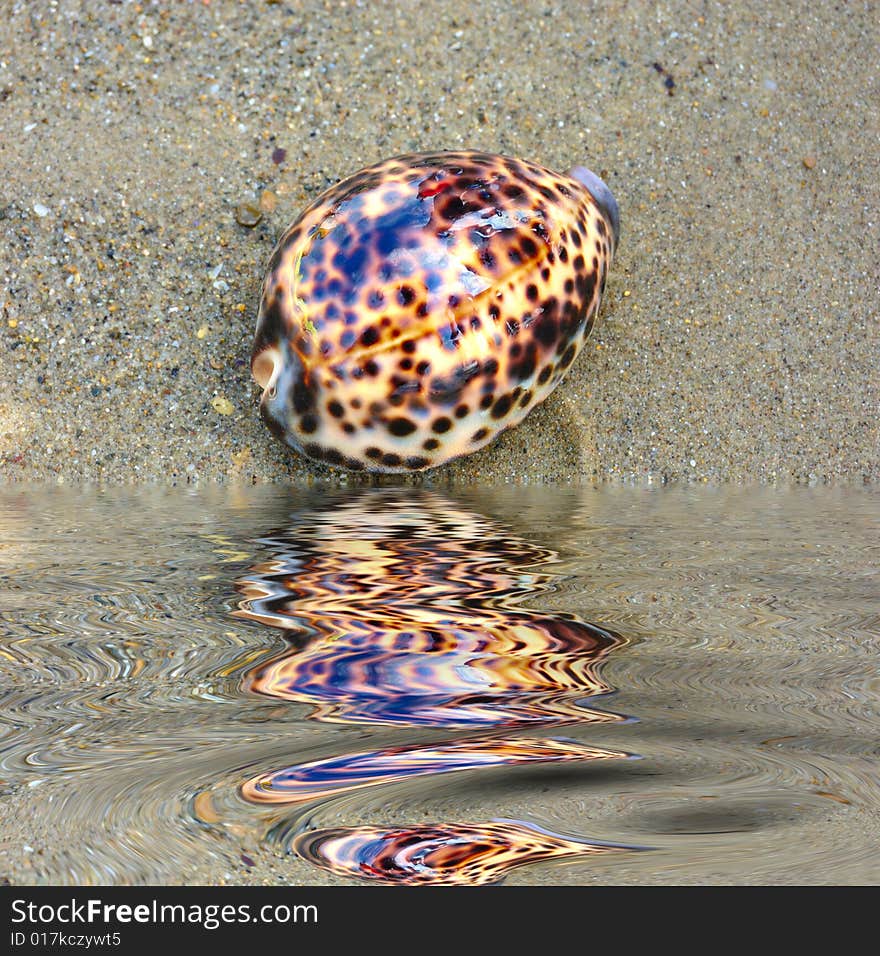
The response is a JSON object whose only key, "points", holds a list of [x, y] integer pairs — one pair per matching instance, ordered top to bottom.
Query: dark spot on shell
{"points": [[454, 208], [540, 230], [587, 287], [546, 328], [370, 336], [568, 356], [525, 367], [545, 374], [303, 396], [487, 400], [501, 407], [335, 408], [461, 411], [441, 425], [401, 426], [480, 434], [431, 444], [374, 453], [332, 456], [391, 460], [416, 461]]}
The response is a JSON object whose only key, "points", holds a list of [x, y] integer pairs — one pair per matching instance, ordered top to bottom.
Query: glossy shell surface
{"points": [[420, 307]]}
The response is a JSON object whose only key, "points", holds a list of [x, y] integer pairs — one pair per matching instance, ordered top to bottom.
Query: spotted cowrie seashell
{"points": [[423, 305]]}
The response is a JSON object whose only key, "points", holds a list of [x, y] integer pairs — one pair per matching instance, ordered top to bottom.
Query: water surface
{"points": [[267, 685]]}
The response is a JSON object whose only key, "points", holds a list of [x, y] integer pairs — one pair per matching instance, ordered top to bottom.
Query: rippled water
{"points": [[266, 685]]}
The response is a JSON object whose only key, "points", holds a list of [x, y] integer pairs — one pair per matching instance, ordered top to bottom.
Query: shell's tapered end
{"points": [[603, 196], [266, 367], [278, 372]]}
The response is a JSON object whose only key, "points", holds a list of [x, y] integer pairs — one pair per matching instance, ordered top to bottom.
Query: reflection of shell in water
{"points": [[405, 609], [405, 613], [485, 672], [319, 779], [465, 853]]}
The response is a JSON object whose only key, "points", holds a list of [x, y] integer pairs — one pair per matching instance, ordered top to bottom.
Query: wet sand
{"points": [[739, 338]]}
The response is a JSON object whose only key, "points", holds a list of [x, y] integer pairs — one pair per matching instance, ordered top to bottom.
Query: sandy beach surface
{"points": [[739, 338]]}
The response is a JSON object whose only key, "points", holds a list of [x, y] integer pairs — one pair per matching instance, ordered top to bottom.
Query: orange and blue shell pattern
{"points": [[425, 304]]}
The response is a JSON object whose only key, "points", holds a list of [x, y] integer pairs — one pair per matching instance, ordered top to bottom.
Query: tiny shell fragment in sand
{"points": [[247, 214], [222, 405]]}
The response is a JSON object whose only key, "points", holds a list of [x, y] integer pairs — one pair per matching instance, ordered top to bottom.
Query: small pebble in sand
{"points": [[279, 155], [809, 162], [268, 201], [41, 210], [247, 214], [222, 405]]}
